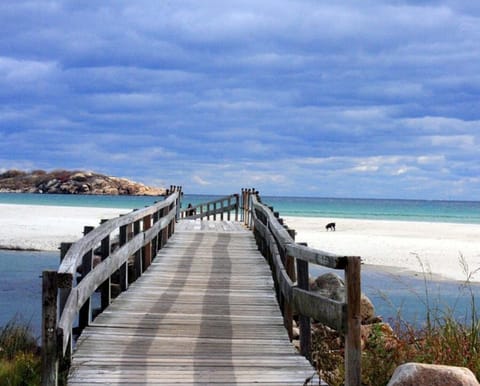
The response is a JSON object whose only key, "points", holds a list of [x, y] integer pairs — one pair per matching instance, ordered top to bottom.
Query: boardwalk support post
{"points": [[147, 249], [123, 270], [105, 288], [287, 307], [85, 316], [304, 321], [353, 349], [50, 358]]}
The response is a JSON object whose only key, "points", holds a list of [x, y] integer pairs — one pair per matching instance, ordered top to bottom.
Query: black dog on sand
{"points": [[330, 226]]}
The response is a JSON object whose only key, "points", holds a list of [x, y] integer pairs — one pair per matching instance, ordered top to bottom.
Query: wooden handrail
{"points": [[219, 206], [139, 232], [143, 232], [277, 245], [75, 253]]}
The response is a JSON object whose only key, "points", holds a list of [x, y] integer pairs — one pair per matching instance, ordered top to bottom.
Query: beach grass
{"points": [[442, 339], [445, 341], [20, 361]]}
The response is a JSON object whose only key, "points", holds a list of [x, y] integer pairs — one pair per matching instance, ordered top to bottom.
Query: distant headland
{"points": [[72, 182]]}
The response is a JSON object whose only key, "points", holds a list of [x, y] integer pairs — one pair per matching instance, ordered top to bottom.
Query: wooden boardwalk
{"points": [[204, 313]]}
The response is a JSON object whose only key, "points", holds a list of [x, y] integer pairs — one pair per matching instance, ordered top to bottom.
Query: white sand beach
{"points": [[43, 228], [397, 245]]}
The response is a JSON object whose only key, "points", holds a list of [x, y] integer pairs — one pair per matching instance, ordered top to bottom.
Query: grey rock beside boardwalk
{"points": [[332, 286], [415, 374]]}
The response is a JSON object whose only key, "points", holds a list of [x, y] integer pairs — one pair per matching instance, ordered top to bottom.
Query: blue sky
{"points": [[362, 98]]}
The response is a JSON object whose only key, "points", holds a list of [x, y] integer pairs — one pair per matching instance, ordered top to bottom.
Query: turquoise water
{"points": [[122, 202], [406, 210], [467, 212], [20, 283]]}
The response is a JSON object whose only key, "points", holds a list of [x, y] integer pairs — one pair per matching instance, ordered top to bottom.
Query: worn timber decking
{"points": [[204, 313]]}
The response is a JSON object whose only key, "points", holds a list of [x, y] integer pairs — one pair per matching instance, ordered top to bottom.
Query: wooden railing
{"points": [[228, 206], [143, 232], [140, 233], [277, 244]]}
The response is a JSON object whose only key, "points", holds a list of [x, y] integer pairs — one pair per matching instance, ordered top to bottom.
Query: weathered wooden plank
{"points": [[316, 256], [204, 313]]}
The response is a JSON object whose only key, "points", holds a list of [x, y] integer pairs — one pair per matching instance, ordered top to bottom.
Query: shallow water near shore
{"points": [[21, 285], [392, 294], [411, 296]]}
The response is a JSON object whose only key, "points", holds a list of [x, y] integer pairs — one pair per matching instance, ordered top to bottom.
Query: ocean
{"points": [[467, 212], [392, 295]]}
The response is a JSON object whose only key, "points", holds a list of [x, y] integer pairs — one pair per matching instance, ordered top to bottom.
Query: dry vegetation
{"points": [[443, 339], [20, 361]]}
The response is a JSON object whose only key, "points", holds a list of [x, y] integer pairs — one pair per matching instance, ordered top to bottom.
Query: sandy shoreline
{"points": [[41, 227], [394, 245], [402, 245]]}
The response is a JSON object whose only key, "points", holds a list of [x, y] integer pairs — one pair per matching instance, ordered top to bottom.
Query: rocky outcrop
{"points": [[72, 182], [413, 374]]}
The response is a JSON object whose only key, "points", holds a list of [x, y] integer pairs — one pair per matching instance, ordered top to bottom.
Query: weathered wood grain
{"points": [[212, 208], [94, 238], [278, 246], [204, 313]]}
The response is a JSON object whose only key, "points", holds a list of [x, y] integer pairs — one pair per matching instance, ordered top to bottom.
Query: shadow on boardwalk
{"points": [[204, 313]]}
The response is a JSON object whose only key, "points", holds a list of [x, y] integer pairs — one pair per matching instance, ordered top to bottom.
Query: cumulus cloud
{"points": [[290, 96], [200, 181]]}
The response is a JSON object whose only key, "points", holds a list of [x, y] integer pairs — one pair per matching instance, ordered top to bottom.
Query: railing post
{"points": [[241, 201], [178, 203], [229, 203], [250, 204], [236, 205], [245, 207], [249, 208], [170, 225], [164, 232], [154, 248], [147, 249], [137, 259], [290, 268], [123, 270], [64, 284], [105, 288], [63, 292], [85, 314], [304, 321], [353, 350], [50, 357]]}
